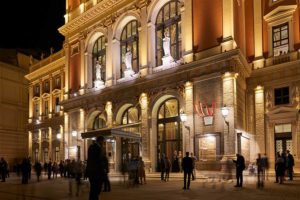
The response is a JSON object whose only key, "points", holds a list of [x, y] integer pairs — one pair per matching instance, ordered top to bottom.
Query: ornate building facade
{"points": [[134, 68]]}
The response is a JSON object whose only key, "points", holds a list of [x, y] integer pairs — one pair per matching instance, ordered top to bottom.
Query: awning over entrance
{"points": [[129, 131]]}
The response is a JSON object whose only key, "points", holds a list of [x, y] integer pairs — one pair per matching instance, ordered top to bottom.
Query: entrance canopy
{"points": [[130, 131]]}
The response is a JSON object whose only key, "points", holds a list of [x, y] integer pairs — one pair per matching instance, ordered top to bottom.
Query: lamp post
{"points": [[183, 118]]}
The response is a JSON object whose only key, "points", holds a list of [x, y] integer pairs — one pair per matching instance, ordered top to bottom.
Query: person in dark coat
{"points": [[290, 164], [240, 166], [95, 167], [162, 167], [187, 167], [280, 168], [3, 169], [38, 170], [25, 171], [260, 177]]}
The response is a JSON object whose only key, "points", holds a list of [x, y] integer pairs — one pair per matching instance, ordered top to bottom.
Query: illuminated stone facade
{"points": [[223, 54]]}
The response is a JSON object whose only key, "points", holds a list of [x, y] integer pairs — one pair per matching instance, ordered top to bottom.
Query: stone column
{"points": [[228, 26], [187, 31], [258, 35], [151, 46], [143, 47], [109, 58], [116, 60], [66, 76], [83, 81], [50, 97], [229, 99], [41, 100], [30, 104], [108, 109], [259, 120], [189, 125], [145, 128], [81, 129], [66, 133], [50, 143], [62, 143], [30, 144], [40, 145], [118, 154]]}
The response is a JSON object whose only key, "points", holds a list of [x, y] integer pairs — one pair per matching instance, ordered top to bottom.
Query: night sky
{"points": [[32, 24]]}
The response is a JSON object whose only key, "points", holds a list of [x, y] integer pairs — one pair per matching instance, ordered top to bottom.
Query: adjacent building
{"points": [[165, 77]]}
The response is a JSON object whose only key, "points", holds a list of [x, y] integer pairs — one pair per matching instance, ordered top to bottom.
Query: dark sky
{"points": [[32, 24]]}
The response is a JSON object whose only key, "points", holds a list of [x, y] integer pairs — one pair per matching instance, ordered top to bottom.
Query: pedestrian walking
{"points": [[49, 165], [290, 165], [194, 166], [240, 166], [265, 166], [95, 167], [162, 167], [187, 167], [168, 168], [280, 168], [3, 169], [38, 169], [25, 170], [78, 170], [141, 171], [260, 178], [106, 182]]}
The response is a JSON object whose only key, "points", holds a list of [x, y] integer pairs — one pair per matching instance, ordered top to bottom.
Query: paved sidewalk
{"points": [[211, 188]]}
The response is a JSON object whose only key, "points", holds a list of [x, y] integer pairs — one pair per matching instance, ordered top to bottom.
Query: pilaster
{"points": [[228, 26], [187, 31], [143, 34], [258, 35], [109, 58], [50, 97], [30, 104], [189, 110], [259, 120], [144, 127], [66, 133], [30, 144], [40, 145], [50, 155]]}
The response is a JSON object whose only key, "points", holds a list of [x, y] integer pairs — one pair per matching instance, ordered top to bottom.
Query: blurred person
{"points": [[290, 165], [194, 166], [240, 166], [95, 167], [187, 167], [38, 169], [141, 170], [260, 178], [106, 182]]}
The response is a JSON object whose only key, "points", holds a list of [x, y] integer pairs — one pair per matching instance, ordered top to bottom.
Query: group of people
{"points": [[284, 166], [135, 167]]}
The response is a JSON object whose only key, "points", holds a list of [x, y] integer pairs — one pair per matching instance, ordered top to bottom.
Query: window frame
{"points": [[280, 26], [100, 53], [282, 97]]}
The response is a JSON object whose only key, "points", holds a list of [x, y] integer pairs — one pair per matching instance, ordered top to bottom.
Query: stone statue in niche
{"points": [[167, 44], [128, 59], [98, 71], [128, 73], [99, 84]]}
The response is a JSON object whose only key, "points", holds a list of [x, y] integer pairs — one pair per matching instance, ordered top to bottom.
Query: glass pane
{"points": [[173, 9], [166, 12], [159, 18], [128, 26], [134, 28], [284, 34], [277, 36], [159, 38], [284, 41], [134, 49], [171, 108], [161, 112], [133, 115], [124, 120], [171, 131], [160, 132], [289, 146], [171, 147]]}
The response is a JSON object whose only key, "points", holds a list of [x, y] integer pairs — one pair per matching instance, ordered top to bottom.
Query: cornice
{"points": [[90, 15], [47, 69]]}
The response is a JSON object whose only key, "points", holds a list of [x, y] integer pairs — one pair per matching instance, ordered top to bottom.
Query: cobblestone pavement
{"points": [[211, 188]]}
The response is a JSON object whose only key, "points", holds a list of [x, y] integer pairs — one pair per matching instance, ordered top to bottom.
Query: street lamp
{"points": [[225, 112], [58, 136]]}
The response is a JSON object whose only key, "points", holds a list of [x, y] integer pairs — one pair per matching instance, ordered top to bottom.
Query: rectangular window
{"points": [[280, 39], [57, 82], [37, 90], [282, 96], [36, 109]]}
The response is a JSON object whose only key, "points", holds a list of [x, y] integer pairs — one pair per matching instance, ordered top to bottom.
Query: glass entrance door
{"points": [[283, 144]]}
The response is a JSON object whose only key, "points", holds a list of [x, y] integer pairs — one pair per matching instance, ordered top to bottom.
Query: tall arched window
{"points": [[168, 21], [130, 40], [99, 54], [131, 115], [99, 122]]}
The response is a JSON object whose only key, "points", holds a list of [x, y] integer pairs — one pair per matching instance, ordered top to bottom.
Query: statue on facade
{"points": [[167, 44], [128, 59], [98, 71]]}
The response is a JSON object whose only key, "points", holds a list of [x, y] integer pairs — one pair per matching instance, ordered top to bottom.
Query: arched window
{"points": [[168, 21], [130, 40], [99, 54], [131, 115], [99, 122]]}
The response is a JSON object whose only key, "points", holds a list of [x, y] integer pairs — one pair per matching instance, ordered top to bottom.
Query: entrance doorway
{"points": [[169, 136], [283, 138], [130, 149]]}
